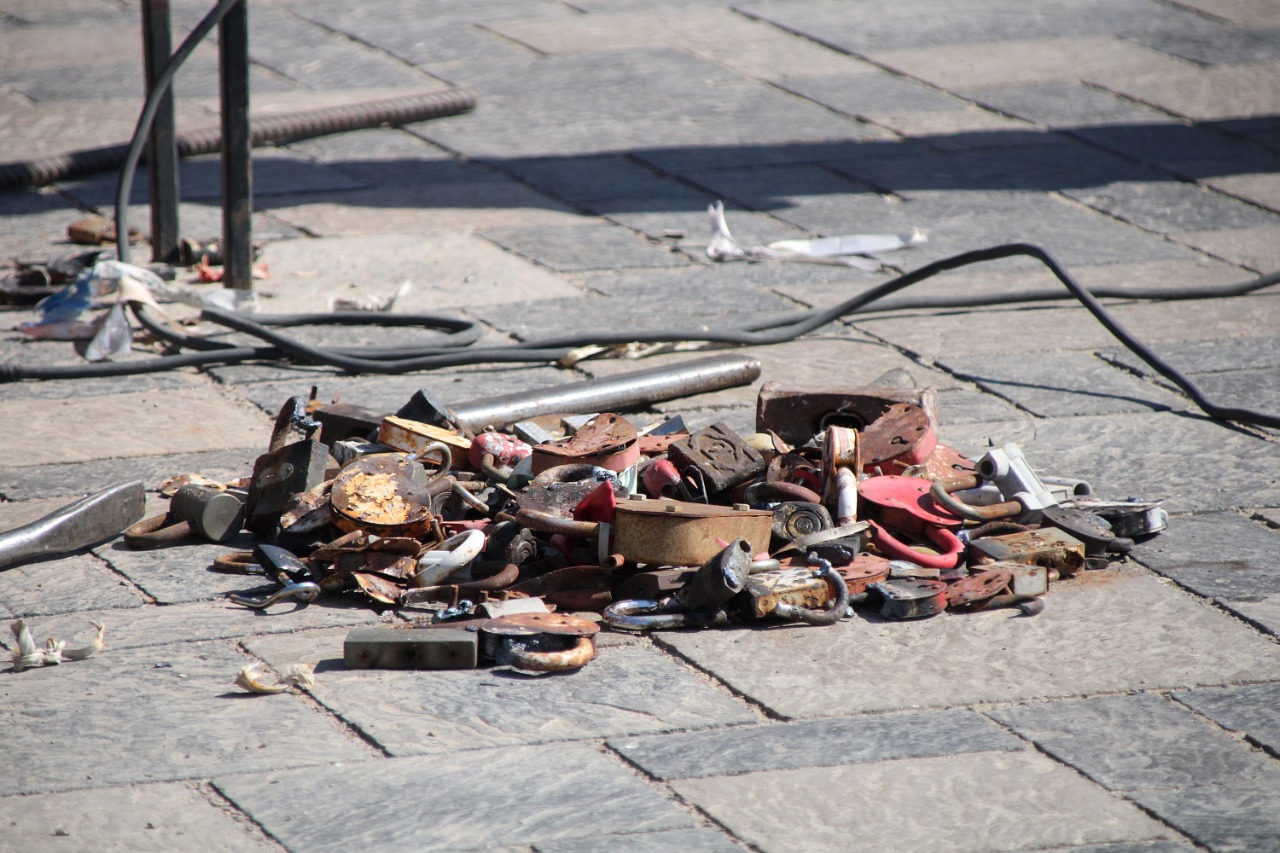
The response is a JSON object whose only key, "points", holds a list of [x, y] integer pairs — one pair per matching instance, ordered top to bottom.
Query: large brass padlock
{"points": [[285, 469]]}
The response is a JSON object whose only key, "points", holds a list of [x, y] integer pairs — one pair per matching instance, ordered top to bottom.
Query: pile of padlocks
{"points": [[511, 538]]}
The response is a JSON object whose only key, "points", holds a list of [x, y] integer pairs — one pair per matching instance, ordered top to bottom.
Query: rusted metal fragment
{"points": [[798, 413], [415, 437], [606, 441], [308, 511], [681, 533], [865, 570], [377, 587], [977, 587], [539, 642]]}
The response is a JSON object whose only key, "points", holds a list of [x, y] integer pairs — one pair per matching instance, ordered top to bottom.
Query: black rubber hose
{"points": [[773, 330]]}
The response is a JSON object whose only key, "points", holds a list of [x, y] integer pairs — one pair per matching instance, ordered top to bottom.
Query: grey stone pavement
{"points": [[1137, 140]]}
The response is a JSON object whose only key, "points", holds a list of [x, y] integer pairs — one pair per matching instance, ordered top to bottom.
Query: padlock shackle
{"points": [[941, 492], [545, 522], [156, 531], [891, 547], [833, 612], [640, 614], [582, 653]]}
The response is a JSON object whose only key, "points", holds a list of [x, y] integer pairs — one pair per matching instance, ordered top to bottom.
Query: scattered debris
{"points": [[54, 652], [253, 678]]}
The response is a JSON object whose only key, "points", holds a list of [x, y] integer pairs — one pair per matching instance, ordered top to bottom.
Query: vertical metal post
{"points": [[162, 153], [237, 179]]}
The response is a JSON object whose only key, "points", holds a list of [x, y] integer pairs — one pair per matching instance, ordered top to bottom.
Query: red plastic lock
{"points": [[507, 450], [904, 503]]}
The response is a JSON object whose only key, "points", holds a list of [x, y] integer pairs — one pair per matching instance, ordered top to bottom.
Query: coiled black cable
{"points": [[456, 350]]}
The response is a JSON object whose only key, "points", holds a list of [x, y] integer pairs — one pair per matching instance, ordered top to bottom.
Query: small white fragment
{"points": [[95, 646], [27, 655], [253, 678]]}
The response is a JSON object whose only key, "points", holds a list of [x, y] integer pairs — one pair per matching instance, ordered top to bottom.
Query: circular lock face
{"points": [[379, 494], [906, 495], [978, 587]]}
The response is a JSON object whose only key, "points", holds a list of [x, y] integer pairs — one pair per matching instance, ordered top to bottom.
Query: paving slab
{"points": [[1208, 42], [1019, 62], [1199, 94], [1063, 104], [564, 105], [1259, 188], [1172, 208], [590, 246], [1253, 248], [445, 268], [1248, 352], [1056, 385], [142, 423], [1115, 454], [80, 478], [1218, 555], [65, 585], [157, 625], [861, 662], [626, 690], [1248, 709], [156, 714], [1138, 742], [809, 743], [459, 792], [977, 802], [143, 818], [1229, 818], [662, 841]]}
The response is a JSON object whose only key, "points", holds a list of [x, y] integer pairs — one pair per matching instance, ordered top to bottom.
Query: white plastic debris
{"points": [[846, 249], [369, 302], [54, 652]]}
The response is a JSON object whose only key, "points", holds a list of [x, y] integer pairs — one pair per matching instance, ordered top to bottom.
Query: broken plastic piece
{"points": [[253, 678]]}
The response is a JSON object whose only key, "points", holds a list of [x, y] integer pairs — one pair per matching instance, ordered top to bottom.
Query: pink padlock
{"points": [[507, 450]]}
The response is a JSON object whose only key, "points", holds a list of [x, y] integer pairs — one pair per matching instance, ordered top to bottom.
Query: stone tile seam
{"points": [[985, 385], [759, 706], [344, 727], [1241, 736], [207, 791], [667, 791], [1121, 796]]}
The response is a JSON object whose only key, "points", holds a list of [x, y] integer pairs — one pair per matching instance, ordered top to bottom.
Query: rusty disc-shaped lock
{"points": [[383, 493], [794, 519], [865, 570], [978, 587], [911, 599], [539, 642]]}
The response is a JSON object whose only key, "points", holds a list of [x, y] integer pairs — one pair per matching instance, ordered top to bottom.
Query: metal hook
{"points": [[305, 592]]}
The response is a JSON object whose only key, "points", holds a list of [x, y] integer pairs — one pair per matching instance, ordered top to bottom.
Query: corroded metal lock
{"points": [[797, 414], [410, 436], [607, 441], [491, 451], [721, 457], [841, 464], [285, 469], [387, 494], [904, 503], [212, 514], [794, 519], [1131, 519], [1093, 530], [680, 533], [1046, 547], [865, 570], [719, 579], [655, 584], [977, 587], [819, 598], [911, 599], [539, 642], [410, 648]]}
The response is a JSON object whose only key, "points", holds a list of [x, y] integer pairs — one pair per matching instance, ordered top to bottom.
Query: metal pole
{"points": [[162, 152], [237, 179], [612, 393]]}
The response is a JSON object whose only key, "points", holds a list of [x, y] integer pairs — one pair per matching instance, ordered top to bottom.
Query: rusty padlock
{"points": [[607, 441], [721, 458], [285, 469], [387, 494], [904, 503], [213, 514], [795, 519], [680, 533], [1047, 547], [817, 597], [911, 599], [539, 642]]}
